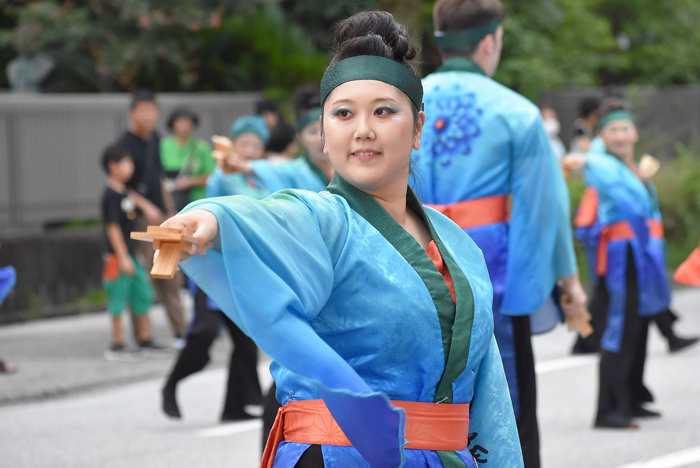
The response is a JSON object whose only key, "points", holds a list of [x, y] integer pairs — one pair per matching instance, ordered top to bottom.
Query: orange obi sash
{"points": [[478, 212], [621, 231], [429, 426]]}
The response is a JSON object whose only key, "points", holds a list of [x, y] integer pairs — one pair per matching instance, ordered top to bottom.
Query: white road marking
{"points": [[565, 363], [230, 429], [672, 460]]}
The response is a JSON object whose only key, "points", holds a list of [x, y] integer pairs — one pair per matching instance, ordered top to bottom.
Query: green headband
{"points": [[464, 40], [373, 67], [615, 115], [311, 116]]}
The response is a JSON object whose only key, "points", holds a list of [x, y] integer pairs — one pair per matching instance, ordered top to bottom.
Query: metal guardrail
{"points": [[50, 147]]}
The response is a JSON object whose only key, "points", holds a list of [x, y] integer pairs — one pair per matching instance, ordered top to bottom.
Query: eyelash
{"points": [[387, 110]]}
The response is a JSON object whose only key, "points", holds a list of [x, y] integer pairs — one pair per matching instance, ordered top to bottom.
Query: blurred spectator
{"points": [[552, 126], [583, 128], [282, 133], [143, 144], [186, 160], [124, 278]]}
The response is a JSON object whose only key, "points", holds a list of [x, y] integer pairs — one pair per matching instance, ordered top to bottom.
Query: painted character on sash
{"points": [[375, 310]]}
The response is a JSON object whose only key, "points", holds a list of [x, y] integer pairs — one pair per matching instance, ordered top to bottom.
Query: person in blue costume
{"points": [[249, 135], [487, 163], [310, 171], [629, 263], [8, 278], [348, 290]]}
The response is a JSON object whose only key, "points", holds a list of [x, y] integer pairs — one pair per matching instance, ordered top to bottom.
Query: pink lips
{"points": [[365, 154]]}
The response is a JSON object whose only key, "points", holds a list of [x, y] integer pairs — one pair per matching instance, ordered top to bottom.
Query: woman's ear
{"points": [[419, 130]]}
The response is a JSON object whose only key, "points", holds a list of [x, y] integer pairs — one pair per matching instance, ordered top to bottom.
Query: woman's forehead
{"points": [[366, 91]]}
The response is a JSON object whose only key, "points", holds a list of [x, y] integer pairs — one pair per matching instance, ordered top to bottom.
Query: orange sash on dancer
{"points": [[478, 212], [619, 231], [689, 271], [429, 426]]}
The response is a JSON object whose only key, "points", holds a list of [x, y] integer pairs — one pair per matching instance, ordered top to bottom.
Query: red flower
{"points": [[145, 21], [215, 21]]}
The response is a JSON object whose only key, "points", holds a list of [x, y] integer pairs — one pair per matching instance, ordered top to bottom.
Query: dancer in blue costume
{"points": [[249, 135], [483, 147], [310, 171], [629, 263], [8, 278], [349, 290]]}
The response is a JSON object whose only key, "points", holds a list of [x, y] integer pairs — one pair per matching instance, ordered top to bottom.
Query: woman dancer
{"points": [[629, 261], [376, 310]]}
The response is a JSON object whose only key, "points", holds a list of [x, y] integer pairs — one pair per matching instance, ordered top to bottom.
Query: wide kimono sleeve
{"points": [[537, 233], [272, 274], [493, 433]]}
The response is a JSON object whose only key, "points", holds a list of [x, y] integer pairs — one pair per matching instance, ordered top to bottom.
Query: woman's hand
{"points": [[234, 163], [202, 222]]}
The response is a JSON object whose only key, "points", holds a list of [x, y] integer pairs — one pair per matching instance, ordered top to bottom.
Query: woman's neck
{"points": [[181, 139], [324, 166]]}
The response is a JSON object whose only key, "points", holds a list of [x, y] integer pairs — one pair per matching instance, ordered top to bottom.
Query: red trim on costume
{"points": [[477, 212], [587, 212], [621, 231], [689, 271]]}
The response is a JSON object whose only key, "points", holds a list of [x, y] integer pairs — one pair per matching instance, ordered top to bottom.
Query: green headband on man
{"points": [[466, 39], [373, 67], [615, 115], [312, 116]]}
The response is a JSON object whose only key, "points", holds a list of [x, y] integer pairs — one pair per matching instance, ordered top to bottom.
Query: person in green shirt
{"points": [[186, 160]]}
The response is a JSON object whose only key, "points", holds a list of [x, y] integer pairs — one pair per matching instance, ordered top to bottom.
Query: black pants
{"points": [[243, 386], [621, 387], [528, 430]]}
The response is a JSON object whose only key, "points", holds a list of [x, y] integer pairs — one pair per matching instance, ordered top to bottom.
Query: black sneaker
{"points": [[149, 349], [120, 353]]}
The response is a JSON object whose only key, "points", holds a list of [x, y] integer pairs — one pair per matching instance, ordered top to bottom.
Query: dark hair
{"points": [[450, 16], [374, 33], [142, 95], [305, 98], [612, 104], [267, 105], [587, 106], [182, 112], [280, 137], [114, 153]]}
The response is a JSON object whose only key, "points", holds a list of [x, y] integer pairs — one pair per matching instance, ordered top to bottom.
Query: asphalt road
{"points": [[68, 407]]}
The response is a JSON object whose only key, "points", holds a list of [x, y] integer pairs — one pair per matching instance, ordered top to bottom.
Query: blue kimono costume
{"points": [[482, 140], [297, 174], [220, 184], [623, 197], [8, 278], [354, 312]]}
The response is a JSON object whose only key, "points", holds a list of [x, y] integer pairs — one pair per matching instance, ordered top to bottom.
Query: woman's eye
{"points": [[384, 111], [344, 113]]}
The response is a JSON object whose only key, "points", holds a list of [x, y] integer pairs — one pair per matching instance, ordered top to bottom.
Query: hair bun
{"points": [[372, 33]]}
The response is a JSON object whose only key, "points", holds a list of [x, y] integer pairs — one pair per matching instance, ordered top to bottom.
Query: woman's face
{"points": [[183, 126], [369, 133], [620, 137], [310, 139], [249, 145]]}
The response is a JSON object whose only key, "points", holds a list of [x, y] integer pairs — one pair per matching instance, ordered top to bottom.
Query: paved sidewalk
{"points": [[61, 356]]}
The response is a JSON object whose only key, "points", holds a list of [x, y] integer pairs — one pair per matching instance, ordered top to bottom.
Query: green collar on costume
{"points": [[465, 40], [460, 64], [372, 67], [615, 115], [311, 116], [317, 172], [455, 320]]}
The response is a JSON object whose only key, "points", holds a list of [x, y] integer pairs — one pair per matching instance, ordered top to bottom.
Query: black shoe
{"points": [[676, 343], [170, 402], [645, 413], [242, 416], [615, 421]]}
